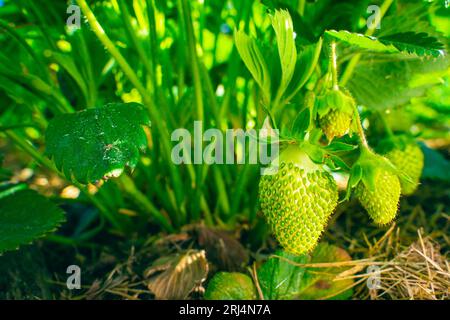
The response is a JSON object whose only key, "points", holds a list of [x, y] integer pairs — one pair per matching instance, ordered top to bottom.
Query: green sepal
{"points": [[335, 100], [349, 103], [323, 105], [315, 135], [397, 142], [336, 146], [315, 153], [336, 163], [371, 163], [368, 177], [354, 179]]}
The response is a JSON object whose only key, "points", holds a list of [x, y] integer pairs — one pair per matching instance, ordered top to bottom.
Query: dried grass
{"points": [[415, 272]]}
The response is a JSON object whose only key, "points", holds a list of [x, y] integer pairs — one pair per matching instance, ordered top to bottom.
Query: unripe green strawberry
{"points": [[335, 110], [335, 123], [410, 162], [378, 191], [297, 200], [382, 203]]}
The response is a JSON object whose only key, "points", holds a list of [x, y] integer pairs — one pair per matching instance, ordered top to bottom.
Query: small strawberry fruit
{"points": [[335, 112], [406, 155], [378, 190], [297, 200]]}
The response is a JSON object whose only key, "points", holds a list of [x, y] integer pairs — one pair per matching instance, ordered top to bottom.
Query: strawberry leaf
{"points": [[284, 31], [359, 40], [420, 44], [254, 60], [383, 82], [97, 143], [25, 216], [283, 277], [280, 279], [323, 283]]}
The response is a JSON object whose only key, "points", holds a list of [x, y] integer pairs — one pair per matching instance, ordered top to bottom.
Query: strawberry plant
{"points": [[111, 128]]}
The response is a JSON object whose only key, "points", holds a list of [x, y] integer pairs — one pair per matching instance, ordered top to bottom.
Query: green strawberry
{"points": [[335, 111], [335, 123], [409, 160], [378, 189], [297, 200]]}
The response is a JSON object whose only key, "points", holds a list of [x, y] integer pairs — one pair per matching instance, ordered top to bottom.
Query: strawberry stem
{"points": [[333, 65], [362, 136]]}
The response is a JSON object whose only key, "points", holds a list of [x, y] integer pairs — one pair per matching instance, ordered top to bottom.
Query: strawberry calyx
{"points": [[335, 110], [406, 155], [366, 168]]}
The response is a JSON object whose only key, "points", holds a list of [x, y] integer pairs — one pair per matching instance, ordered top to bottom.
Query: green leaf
{"points": [[399, 19], [284, 31], [359, 40], [420, 44], [254, 61], [306, 63], [70, 67], [382, 81], [301, 124], [97, 143], [337, 146], [315, 152], [336, 163], [355, 176], [353, 180], [7, 189], [25, 216], [279, 279], [322, 283], [230, 286]]}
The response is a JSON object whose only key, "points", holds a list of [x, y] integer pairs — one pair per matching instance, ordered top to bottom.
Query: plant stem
{"points": [[301, 7], [131, 34], [104, 39], [153, 40], [192, 52], [355, 59], [333, 66], [362, 136], [28, 148]]}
